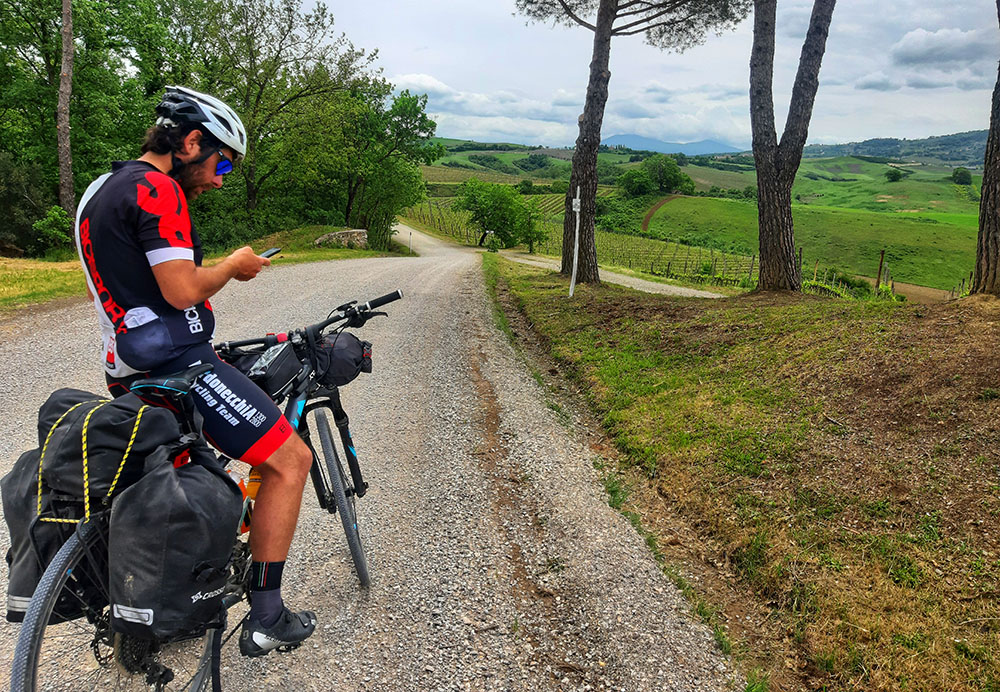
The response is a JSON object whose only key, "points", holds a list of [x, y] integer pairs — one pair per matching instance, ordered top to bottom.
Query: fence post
{"points": [[881, 261], [815, 270]]}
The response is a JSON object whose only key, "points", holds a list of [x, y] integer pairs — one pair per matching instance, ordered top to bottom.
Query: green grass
{"points": [[920, 251], [30, 282], [25, 283], [845, 538]]}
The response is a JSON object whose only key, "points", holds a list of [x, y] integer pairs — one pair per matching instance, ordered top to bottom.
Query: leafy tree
{"points": [[666, 24], [269, 59], [777, 162], [667, 174], [894, 175], [961, 176], [636, 182], [525, 187], [497, 209], [530, 229], [987, 273]]}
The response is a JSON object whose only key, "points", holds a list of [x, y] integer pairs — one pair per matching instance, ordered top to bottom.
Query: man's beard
{"points": [[185, 178]]}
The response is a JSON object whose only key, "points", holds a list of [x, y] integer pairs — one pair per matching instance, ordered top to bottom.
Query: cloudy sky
{"points": [[893, 68]]}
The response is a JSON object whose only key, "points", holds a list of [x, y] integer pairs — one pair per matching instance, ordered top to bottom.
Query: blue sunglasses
{"points": [[225, 165]]}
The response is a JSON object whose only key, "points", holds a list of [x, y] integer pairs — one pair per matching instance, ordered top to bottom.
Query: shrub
{"points": [[894, 175], [961, 176], [637, 182], [52, 231]]}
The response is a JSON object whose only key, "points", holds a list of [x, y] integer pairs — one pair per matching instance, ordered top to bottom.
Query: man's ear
{"points": [[191, 144]]}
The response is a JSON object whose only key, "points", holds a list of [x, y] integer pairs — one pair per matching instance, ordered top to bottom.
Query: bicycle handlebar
{"points": [[346, 313]]}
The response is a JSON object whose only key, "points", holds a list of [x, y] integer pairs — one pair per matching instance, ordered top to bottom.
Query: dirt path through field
{"points": [[656, 208], [496, 562]]}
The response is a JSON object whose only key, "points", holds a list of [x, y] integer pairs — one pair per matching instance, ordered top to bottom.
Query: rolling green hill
{"points": [[922, 250]]}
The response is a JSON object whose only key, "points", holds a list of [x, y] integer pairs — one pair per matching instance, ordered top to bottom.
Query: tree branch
{"points": [[572, 15]]}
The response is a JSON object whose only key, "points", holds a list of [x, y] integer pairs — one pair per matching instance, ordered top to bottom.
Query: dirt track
{"points": [[496, 562]]}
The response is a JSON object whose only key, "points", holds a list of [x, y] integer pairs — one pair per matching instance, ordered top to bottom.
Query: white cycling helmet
{"points": [[182, 105]]}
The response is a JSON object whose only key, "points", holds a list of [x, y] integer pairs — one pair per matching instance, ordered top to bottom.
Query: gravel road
{"points": [[496, 562]]}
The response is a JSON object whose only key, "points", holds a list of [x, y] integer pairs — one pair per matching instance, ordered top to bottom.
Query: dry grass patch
{"points": [[833, 461]]}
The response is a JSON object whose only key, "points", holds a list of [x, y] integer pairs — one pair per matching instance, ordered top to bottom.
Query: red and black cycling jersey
{"points": [[129, 221]]}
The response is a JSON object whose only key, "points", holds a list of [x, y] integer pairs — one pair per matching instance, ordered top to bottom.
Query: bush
{"points": [[894, 175], [961, 176], [637, 182], [559, 186], [52, 231]]}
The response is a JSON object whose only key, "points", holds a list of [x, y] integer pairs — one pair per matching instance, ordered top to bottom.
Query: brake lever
{"points": [[358, 319]]}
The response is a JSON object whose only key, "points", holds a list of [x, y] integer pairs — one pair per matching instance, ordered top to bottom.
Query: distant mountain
{"points": [[637, 142], [962, 149]]}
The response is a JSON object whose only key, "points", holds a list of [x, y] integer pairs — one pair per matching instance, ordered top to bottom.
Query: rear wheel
{"points": [[343, 497], [84, 653]]}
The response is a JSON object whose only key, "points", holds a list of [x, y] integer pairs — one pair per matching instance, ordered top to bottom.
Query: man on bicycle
{"points": [[143, 262]]}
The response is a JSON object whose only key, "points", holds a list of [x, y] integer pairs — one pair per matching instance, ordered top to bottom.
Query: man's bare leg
{"points": [[276, 509], [270, 624]]}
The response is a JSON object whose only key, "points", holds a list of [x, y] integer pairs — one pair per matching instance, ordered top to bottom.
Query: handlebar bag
{"points": [[340, 357], [114, 431], [170, 543]]}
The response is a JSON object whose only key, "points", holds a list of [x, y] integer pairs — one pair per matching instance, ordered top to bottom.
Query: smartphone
{"points": [[271, 253]]}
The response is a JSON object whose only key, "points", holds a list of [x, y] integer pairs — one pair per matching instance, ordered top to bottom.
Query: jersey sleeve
{"points": [[164, 226]]}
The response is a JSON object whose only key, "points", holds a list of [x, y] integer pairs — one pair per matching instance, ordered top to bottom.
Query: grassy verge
{"points": [[27, 282], [31, 282], [834, 459]]}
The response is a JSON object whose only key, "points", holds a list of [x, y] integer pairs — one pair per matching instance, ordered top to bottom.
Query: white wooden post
{"points": [[576, 243]]}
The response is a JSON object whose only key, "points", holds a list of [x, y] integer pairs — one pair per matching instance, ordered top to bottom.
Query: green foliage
{"points": [[533, 162], [493, 163], [607, 172], [667, 175], [894, 175], [961, 176], [636, 182], [23, 197], [500, 210], [621, 214], [54, 230]]}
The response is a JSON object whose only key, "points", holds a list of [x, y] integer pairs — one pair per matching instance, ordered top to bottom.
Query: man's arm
{"points": [[184, 284]]}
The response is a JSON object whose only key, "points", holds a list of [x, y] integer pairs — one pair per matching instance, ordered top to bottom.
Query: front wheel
{"points": [[343, 497], [83, 653]]}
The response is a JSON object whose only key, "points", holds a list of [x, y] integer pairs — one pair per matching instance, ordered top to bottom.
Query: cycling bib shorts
{"points": [[241, 421]]}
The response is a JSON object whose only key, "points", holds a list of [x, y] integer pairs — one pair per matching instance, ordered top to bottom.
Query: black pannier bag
{"points": [[340, 357], [113, 428], [43, 495], [171, 539], [33, 543]]}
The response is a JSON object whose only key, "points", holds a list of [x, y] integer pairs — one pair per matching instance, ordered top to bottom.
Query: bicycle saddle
{"points": [[176, 384]]}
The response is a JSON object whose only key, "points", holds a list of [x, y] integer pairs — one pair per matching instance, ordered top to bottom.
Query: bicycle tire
{"points": [[345, 505], [69, 654]]}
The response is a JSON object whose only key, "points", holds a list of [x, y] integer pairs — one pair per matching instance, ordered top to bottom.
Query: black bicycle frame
{"points": [[296, 410]]}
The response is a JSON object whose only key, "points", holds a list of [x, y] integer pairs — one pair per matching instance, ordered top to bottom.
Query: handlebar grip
{"points": [[383, 300]]}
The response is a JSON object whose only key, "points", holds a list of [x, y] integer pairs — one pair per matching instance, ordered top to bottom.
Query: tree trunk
{"points": [[777, 162], [584, 173], [67, 197], [987, 276]]}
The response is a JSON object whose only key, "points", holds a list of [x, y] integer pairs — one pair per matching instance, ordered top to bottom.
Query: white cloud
{"points": [[945, 49], [910, 69]]}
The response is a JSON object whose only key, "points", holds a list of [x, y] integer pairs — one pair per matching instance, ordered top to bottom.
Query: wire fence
{"points": [[685, 263]]}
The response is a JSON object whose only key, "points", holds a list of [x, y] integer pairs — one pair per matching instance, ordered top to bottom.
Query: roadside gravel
{"points": [[496, 562]]}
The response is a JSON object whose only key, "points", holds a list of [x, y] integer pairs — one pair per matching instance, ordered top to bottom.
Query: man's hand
{"points": [[246, 264], [183, 284]]}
